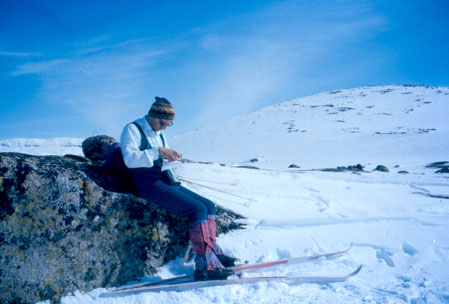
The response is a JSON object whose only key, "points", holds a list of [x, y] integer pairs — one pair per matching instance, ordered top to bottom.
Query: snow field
{"points": [[399, 236]]}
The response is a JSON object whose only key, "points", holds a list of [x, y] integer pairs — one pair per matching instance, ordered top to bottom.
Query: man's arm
{"points": [[169, 153], [133, 157]]}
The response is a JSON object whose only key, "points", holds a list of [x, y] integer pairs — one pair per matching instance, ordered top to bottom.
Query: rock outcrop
{"points": [[96, 148], [442, 165], [356, 168], [381, 168], [66, 224]]}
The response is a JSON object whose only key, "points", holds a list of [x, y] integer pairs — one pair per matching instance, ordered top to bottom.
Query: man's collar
{"points": [[147, 128]]}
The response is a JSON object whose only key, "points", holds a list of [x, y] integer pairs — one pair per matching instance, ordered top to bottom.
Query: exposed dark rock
{"points": [[385, 91], [335, 92], [344, 109], [96, 148], [189, 161], [439, 164], [442, 165], [294, 166], [246, 167], [356, 168], [381, 168], [443, 170], [403, 172], [66, 224]]}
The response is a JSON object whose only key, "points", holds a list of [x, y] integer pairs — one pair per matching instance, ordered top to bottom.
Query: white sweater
{"points": [[130, 144]]}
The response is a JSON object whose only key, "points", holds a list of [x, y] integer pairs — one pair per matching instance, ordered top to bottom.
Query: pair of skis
{"points": [[186, 282]]}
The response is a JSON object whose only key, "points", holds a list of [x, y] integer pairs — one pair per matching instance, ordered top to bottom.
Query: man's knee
{"points": [[211, 210], [201, 212]]}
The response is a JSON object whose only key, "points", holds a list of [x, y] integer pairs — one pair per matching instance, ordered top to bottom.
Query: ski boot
{"points": [[215, 274]]}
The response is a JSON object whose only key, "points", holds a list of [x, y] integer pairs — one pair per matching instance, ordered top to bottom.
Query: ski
{"points": [[252, 267], [241, 268], [235, 281]]}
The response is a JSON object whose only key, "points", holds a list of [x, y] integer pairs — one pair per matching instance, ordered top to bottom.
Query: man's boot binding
{"points": [[215, 274]]}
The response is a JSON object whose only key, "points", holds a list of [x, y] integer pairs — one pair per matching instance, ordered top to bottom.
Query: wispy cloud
{"points": [[19, 54], [275, 55], [40, 67], [223, 69], [244, 78], [102, 83]]}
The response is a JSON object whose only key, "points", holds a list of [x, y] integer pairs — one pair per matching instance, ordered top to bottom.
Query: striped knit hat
{"points": [[162, 108]]}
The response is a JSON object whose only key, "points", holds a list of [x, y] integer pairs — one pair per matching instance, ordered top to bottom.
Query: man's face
{"points": [[163, 123], [158, 124]]}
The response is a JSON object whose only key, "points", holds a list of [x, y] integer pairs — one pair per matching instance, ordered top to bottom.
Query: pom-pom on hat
{"points": [[162, 108]]}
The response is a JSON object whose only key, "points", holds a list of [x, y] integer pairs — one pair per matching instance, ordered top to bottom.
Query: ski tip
{"points": [[356, 271]]}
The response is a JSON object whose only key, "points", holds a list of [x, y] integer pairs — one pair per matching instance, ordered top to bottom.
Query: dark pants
{"points": [[154, 186]]}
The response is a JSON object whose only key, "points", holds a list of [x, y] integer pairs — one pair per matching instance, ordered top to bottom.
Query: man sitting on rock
{"points": [[143, 156]]}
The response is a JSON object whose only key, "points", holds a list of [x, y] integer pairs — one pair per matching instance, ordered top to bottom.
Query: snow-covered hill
{"points": [[386, 124], [38, 146], [398, 222]]}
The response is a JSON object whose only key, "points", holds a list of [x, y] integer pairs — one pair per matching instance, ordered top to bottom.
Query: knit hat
{"points": [[162, 108]]}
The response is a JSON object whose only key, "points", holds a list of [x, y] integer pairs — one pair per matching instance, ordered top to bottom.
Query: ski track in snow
{"points": [[397, 222], [403, 247]]}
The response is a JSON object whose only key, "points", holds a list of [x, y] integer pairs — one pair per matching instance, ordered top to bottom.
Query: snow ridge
{"points": [[366, 125]]}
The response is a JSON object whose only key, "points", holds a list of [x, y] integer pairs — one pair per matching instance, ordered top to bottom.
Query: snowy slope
{"points": [[363, 125], [38, 146], [398, 222], [400, 236]]}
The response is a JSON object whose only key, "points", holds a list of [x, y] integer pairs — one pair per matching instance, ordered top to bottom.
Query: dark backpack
{"points": [[114, 159]]}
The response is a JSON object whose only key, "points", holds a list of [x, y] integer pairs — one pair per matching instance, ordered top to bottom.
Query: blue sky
{"points": [[83, 68]]}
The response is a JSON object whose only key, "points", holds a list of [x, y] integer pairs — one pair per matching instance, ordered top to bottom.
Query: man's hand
{"points": [[169, 153]]}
